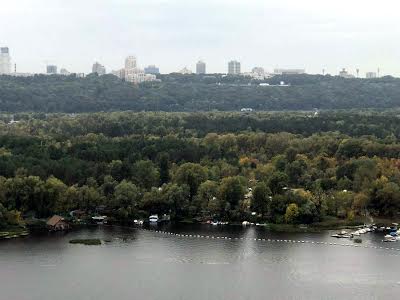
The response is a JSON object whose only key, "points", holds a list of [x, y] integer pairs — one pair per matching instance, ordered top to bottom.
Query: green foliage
{"points": [[69, 94], [201, 165], [292, 212]]}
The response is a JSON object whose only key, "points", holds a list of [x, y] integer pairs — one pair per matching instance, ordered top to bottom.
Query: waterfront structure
{"points": [[5, 61], [201, 67], [234, 67], [51, 69], [99, 69], [152, 69], [289, 71], [345, 74], [371, 75], [56, 223]]}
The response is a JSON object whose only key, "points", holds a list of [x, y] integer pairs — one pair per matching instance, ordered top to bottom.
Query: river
{"points": [[198, 262]]}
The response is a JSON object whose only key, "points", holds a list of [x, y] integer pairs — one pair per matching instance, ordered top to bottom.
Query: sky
{"points": [[172, 34]]}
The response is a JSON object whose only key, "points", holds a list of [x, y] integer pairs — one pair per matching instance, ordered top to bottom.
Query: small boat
{"points": [[153, 219], [138, 222], [214, 223], [245, 223], [356, 233], [342, 234], [389, 238]]}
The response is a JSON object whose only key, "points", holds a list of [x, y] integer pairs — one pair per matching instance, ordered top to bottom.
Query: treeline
{"points": [[194, 93], [355, 123], [56, 164]]}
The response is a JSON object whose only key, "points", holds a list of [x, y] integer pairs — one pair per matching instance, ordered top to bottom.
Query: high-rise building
{"points": [[5, 61], [130, 63], [201, 67], [234, 67], [98, 68], [51, 69], [152, 69], [134, 74], [371, 75]]}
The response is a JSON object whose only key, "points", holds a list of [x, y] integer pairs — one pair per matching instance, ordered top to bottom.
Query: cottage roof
{"points": [[54, 220]]}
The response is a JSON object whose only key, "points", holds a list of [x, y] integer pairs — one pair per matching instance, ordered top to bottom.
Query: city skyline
{"points": [[173, 34], [130, 62]]}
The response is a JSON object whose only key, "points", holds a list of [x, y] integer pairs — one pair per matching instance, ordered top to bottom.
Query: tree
{"points": [[164, 168], [145, 174], [192, 175], [277, 182], [232, 190], [126, 194], [261, 198], [292, 212]]}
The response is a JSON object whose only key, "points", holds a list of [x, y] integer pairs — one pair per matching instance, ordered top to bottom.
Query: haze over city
{"points": [[310, 34]]}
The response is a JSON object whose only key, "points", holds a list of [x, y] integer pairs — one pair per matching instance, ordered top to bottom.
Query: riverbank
{"points": [[13, 232]]}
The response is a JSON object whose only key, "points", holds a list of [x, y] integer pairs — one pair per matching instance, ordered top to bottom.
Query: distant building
{"points": [[5, 61], [130, 63], [200, 67], [234, 67], [51, 69], [99, 69], [152, 69], [185, 71], [289, 71], [64, 72], [119, 73], [258, 73], [134, 74], [345, 74], [79, 75], [371, 75], [56, 223]]}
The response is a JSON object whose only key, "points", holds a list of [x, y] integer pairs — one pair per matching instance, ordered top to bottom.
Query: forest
{"points": [[190, 93], [275, 167]]}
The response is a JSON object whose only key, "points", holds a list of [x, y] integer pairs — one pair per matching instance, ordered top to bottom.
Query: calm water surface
{"points": [[138, 264]]}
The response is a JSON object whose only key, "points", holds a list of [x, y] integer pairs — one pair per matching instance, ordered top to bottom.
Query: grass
{"points": [[13, 232], [86, 241]]}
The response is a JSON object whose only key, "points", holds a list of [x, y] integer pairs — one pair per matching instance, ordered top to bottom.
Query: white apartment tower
{"points": [[5, 61], [130, 63], [234, 67], [134, 74]]}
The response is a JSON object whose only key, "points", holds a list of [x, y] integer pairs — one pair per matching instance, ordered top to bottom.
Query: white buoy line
{"points": [[266, 240]]}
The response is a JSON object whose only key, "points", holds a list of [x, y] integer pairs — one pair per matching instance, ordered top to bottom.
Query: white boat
{"points": [[153, 219], [100, 220], [138, 222], [245, 223], [356, 233], [389, 238]]}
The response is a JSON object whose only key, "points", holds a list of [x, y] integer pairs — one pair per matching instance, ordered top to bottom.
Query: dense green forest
{"points": [[188, 93], [288, 167]]}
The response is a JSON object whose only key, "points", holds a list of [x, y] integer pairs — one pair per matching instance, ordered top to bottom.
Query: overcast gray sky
{"points": [[311, 34]]}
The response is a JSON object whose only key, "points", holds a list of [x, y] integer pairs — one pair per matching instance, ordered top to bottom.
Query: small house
{"points": [[56, 223]]}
